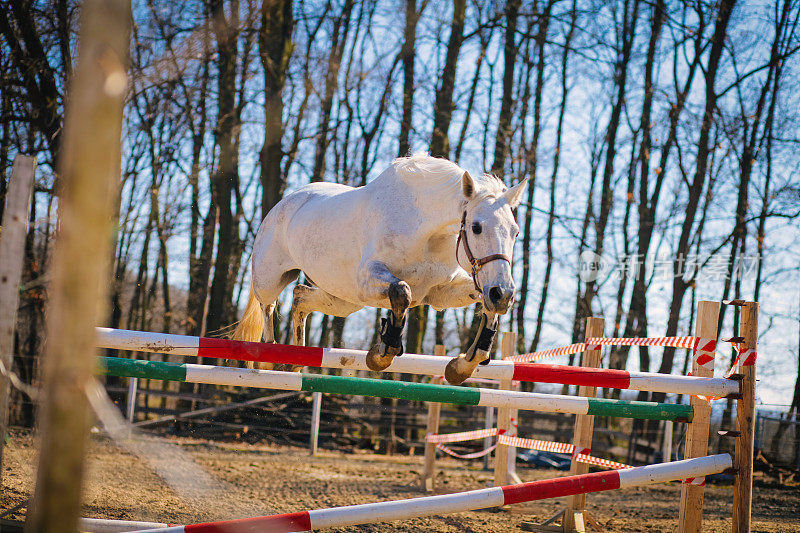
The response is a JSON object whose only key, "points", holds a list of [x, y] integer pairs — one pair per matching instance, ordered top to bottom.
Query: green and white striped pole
{"points": [[268, 379]]}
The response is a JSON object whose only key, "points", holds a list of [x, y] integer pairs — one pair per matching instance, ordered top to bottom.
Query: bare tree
{"points": [[341, 27], [627, 34], [440, 144], [531, 164], [551, 216], [679, 284]]}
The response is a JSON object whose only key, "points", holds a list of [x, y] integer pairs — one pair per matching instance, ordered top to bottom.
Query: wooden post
{"points": [[89, 163], [12, 253], [507, 347], [316, 410], [745, 410], [584, 427], [428, 478], [691, 513]]}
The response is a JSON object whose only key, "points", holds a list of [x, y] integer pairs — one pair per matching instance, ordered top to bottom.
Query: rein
{"points": [[476, 264]]}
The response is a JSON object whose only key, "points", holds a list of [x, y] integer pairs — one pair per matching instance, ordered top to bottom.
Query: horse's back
{"points": [[306, 225], [330, 231]]}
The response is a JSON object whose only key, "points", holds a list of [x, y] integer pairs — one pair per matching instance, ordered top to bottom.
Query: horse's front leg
{"points": [[377, 280], [458, 292], [462, 367]]}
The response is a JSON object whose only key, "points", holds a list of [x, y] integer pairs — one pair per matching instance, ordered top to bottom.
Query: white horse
{"points": [[423, 232]]}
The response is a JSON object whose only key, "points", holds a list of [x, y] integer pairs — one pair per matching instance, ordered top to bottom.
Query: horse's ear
{"points": [[467, 185], [514, 195]]}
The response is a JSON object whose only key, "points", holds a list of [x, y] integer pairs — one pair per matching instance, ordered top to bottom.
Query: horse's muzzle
{"points": [[498, 298]]}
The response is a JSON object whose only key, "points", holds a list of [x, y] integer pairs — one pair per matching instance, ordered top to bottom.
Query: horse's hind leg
{"points": [[377, 282], [266, 289], [309, 299]]}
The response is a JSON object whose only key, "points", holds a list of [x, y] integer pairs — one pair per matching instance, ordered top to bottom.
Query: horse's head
{"points": [[486, 239]]}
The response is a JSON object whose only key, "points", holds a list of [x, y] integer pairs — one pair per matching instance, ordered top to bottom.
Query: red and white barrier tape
{"points": [[688, 342], [595, 343], [546, 354], [749, 356], [470, 435], [462, 436], [531, 444], [560, 447], [473, 455], [605, 463], [700, 481]]}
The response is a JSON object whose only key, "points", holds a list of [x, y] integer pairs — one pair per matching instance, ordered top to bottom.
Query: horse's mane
{"points": [[423, 172]]}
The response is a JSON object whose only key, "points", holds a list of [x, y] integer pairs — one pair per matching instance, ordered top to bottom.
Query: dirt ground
{"points": [[253, 480]]}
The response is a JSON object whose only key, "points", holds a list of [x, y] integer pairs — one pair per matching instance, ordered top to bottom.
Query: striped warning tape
{"points": [[675, 342], [594, 343], [704, 353], [546, 354], [746, 356], [470, 435], [462, 436], [541, 445], [560, 447], [473, 455], [583, 455], [700, 481]]}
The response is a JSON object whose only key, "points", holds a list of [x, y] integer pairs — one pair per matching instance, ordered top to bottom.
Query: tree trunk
{"points": [[630, 17], [341, 27], [275, 50], [407, 55], [31, 62], [443, 105], [506, 106], [439, 147], [749, 154], [531, 164], [225, 177], [551, 216], [678, 284], [636, 322]]}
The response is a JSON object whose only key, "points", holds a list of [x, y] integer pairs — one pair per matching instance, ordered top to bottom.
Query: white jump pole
{"points": [[141, 341], [130, 407], [316, 409], [465, 501], [101, 525]]}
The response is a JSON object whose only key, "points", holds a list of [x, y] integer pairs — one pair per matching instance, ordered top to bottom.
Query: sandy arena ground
{"points": [[259, 479]]}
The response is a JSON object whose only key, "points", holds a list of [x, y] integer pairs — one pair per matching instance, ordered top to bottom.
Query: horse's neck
{"points": [[437, 197], [442, 207]]}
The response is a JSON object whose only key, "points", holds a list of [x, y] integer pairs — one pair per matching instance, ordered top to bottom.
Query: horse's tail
{"points": [[251, 326]]}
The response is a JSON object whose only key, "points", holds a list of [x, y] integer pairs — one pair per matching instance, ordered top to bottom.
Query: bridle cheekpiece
{"points": [[475, 264]]}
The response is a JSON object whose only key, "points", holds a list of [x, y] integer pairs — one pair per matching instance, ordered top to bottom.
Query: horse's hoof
{"points": [[378, 359], [458, 370]]}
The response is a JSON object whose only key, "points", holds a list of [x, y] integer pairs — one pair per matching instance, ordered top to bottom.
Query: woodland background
{"points": [[664, 131]]}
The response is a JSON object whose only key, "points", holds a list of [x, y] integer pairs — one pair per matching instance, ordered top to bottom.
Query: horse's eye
{"points": [[476, 228]]}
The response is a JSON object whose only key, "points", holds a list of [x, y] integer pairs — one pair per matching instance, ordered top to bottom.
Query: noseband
{"points": [[476, 264]]}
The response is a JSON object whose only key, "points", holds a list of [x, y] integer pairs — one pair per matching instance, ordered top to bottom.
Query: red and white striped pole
{"points": [[143, 341], [464, 501]]}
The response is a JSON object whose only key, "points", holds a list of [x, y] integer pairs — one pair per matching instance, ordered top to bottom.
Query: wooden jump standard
{"points": [[431, 365], [270, 379], [464, 501]]}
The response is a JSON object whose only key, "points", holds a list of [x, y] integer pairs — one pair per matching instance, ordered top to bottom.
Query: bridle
{"points": [[476, 264]]}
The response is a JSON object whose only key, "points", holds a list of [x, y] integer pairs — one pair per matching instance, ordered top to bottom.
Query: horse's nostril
{"points": [[495, 294]]}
